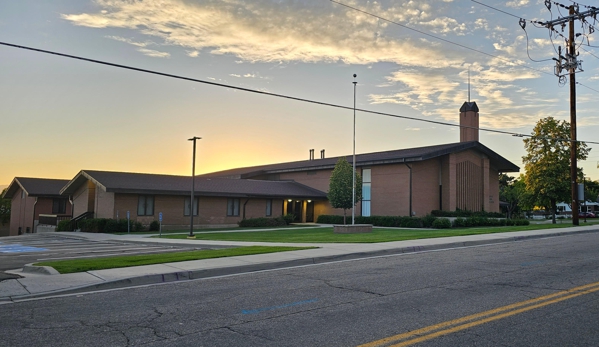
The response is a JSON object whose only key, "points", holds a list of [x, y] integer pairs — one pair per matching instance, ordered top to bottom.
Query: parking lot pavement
{"points": [[17, 251]]}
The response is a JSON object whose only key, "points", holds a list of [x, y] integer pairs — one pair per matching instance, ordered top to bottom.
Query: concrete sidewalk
{"points": [[34, 284]]}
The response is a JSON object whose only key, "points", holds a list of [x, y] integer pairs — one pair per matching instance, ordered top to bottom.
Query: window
{"points": [[366, 193], [145, 205], [59, 206], [195, 206], [232, 207], [269, 207]]}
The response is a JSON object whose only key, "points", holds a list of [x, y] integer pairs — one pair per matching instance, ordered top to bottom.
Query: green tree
{"points": [[547, 162], [340, 186], [591, 190], [513, 192], [4, 209]]}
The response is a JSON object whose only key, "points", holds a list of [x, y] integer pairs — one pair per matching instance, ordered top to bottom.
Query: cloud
{"points": [[517, 3], [258, 31], [141, 47], [154, 53], [425, 74]]}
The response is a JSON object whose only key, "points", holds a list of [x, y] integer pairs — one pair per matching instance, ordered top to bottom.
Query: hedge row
{"points": [[466, 213], [382, 221], [428, 221], [263, 222], [489, 222], [102, 225]]}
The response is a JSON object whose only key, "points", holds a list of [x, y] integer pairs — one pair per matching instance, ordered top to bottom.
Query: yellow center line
{"points": [[478, 318]]}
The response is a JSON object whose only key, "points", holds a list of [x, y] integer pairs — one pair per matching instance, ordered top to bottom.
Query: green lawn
{"points": [[203, 230], [326, 235], [81, 265]]}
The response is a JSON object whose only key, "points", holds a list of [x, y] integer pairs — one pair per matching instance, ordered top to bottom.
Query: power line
{"points": [[496, 9], [543, 25], [438, 38], [153, 72], [595, 90]]}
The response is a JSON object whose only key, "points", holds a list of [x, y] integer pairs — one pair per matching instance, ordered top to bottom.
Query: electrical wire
{"points": [[496, 9], [438, 38], [527, 52], [153, 72], [595, 90]]}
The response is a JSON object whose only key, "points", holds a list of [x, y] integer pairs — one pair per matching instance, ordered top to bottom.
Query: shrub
{"points": [[466, 213], [289, 218], [329, 219], [428, 220], [379, 221], [263, 222], [516, 222], [441, 223], [460, 223], [64, 225], [92, 225], [120, 226], [154, 226]]}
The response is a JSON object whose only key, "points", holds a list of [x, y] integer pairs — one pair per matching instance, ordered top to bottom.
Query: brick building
{"points": [[414, 181], [33, 199]]}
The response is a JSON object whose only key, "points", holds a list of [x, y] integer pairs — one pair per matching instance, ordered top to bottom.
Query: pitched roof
{"points": [[376, 158], [141, 183], [35, 186]]}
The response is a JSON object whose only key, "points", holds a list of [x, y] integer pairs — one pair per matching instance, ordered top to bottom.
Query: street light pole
{"points": [[193, 178], [353, 186]]}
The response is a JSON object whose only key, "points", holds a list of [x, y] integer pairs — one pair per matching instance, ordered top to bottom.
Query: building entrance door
{"points": [[295, 207], [310, 212]]}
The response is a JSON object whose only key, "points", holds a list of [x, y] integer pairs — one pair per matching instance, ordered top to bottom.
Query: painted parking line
{"points": [[20, 249], [262, 309], [452, 326]]}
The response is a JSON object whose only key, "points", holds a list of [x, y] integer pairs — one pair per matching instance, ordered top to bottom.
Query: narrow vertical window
{"points": [[366, 192], [145, 205], [59, 206], [188, 206], [232, 207], [269, 207]]}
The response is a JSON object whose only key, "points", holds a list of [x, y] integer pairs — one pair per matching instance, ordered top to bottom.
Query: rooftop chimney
{"points": [[469, 122], [311, 154], [322, 154]]}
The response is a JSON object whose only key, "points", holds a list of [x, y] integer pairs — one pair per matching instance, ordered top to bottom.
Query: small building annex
{"points": [[35, 199], [217, 201]]}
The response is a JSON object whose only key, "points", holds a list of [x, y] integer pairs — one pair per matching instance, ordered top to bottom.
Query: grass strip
{"points": [[202, 230], [326, 235], [82, 265]]}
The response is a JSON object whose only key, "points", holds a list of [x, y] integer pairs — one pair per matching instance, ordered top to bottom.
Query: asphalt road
{"points": [[17, 251], [513, 294]]}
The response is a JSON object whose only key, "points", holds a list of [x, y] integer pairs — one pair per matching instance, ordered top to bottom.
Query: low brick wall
{"points": [[352, 229]]}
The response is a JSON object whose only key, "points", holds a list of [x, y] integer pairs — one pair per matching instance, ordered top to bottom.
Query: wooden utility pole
{"points": [[571, 64], [573, 143]]}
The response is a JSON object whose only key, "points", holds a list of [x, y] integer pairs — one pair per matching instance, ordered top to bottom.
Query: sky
{"points": [[412, 58]]}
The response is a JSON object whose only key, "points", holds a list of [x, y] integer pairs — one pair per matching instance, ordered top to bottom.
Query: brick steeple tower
{"points": [[469, 122]]}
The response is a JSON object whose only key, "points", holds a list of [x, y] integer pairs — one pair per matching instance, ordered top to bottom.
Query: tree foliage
{"points": [[547, 162], [340, 186], [591, 191], [513, 192], [4, 209]]}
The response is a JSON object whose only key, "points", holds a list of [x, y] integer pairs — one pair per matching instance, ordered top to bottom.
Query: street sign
{"points": [[127, 214], [160, 216]]}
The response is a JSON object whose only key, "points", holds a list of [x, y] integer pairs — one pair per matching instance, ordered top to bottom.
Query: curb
{"points": [[180, 276]]}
